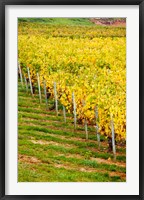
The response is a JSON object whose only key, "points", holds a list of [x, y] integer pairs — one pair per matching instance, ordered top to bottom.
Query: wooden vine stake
{"points": [[20, 74], [30, 81], [26, 83], [39, 87], [45, 95], [55, 96], [74, 109], [64, 113], [85, 123], [97, 128], [86, 131], [113, 138]]}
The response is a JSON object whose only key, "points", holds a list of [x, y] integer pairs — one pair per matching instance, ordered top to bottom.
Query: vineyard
{"points": [[78, 75]]}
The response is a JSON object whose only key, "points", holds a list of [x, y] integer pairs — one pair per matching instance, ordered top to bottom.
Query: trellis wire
{"points": [[20, 73], [30, 81], [39, 87], [45, 94], [55, 96], [74, 109], [97, 128], [113, 138]]}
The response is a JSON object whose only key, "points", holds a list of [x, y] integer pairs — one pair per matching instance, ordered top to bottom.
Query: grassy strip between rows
{"points": [[34, 101], [37, 110], [40, 111], [43, 117], [52, 118], [50, 122], [56, 131], [62, 132], [68, 139], [81, 148], [48, 154], [61, 157], [45, 173]]}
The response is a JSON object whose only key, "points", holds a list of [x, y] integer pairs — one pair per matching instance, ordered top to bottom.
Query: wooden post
{"points": [[20, 74], [30, 81], [26, 83], [39, 87], [45, 95], [55, 96], [74, 109], [64, 113], [85, 123], [97, 128], [86, 131], [113, 138]]}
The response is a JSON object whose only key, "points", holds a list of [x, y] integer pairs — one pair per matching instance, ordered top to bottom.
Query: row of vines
{"points": [[87, 62]]}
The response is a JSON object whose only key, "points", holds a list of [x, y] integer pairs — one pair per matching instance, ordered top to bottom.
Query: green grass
{"points": [[59, 21], [48, 135], [52, 151], [51, 154], [48, 173]]}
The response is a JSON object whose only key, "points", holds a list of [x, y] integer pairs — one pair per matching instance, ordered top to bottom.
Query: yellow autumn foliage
{"points": [[92, 65]]}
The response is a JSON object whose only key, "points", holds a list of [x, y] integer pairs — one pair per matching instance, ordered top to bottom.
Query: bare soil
{"points": [[103, 22]]}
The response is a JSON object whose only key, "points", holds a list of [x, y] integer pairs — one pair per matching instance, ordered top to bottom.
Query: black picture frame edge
{"points": [[71, 2], [2, 97], [141, 99], [2, 101]]}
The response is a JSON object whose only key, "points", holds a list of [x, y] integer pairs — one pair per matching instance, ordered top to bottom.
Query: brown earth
{"points": [[115, 23]]}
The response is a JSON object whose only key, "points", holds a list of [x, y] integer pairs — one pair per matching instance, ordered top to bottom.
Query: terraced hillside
{"points": [[50, 150]]}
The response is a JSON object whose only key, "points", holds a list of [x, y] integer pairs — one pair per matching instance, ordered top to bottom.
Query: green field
{"points": [[58, 21], [50, 150]]}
